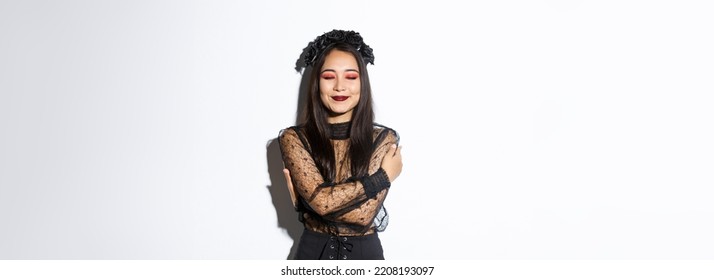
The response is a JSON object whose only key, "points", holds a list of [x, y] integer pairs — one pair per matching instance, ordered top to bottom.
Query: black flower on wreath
{"points": [[316, 47]]}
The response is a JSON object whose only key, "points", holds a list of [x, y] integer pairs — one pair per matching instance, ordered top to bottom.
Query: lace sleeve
{"points": [[336, 202], [369, 209]]}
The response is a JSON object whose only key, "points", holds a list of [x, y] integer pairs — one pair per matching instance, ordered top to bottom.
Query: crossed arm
{"points": [[355, 201]]}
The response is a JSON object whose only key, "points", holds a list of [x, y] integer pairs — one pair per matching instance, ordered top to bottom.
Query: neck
{"points": [[340, 130]]}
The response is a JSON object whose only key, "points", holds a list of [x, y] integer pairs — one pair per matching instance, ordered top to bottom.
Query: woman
{"points": [[339, 164]]}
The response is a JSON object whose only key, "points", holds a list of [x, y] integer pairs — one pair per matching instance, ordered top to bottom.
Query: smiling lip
{"points": [[340, 98]]}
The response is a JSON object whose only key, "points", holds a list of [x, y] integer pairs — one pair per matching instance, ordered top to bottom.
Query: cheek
{"points": [[324, 86], [356, 88], [322, 89], [324, 98]]}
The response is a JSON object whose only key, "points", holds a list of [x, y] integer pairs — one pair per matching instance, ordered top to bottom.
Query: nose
{"points": [[338, 85]]}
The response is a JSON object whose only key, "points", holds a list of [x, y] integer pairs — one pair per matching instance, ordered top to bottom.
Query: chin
{"points": [[341, 111]]}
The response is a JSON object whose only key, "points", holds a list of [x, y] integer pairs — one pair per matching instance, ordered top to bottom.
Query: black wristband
{"points": [[375, 183]]}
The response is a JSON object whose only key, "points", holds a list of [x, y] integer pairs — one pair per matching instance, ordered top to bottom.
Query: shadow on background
{"points": [[287, 216]]}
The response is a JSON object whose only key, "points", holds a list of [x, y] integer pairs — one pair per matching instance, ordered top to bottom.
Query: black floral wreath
{"points": [[316, 47]]}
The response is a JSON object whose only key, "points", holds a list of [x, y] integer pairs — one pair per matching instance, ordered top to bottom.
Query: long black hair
{"points": [[317, 129]]}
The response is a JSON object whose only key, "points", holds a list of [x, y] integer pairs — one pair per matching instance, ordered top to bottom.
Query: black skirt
{"points": [[320, 246]]}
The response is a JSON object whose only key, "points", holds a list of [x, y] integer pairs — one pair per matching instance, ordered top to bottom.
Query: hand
{"points": [[392, 162], [291, 189]]}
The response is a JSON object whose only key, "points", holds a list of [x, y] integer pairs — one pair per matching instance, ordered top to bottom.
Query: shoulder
{"points": [[380, 128], [288, 131], [293, 131], [381, 132], [289, 135], [293, 138]]}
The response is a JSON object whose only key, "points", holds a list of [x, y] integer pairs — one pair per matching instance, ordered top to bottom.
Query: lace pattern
{"points": [[349, 206]]}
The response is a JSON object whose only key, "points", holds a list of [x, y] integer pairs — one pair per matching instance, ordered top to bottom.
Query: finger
{"points": [[392, 149], [397, 152], [286, 172], [288, 180], [291, 189]]}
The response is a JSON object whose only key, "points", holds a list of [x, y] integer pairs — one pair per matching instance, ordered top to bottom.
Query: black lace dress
{"points": [[341, 218]]}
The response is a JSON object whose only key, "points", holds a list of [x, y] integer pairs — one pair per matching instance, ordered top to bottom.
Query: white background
{"points": [[531, 129]]}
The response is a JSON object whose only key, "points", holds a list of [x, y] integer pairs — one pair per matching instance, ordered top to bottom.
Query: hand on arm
{"points": [[392, 162], [309, 183], [291, 188]]}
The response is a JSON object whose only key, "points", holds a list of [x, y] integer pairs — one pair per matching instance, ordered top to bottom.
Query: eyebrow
{"points": [[332, 70]]}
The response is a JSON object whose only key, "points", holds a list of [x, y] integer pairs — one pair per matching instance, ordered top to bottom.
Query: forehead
{"points": [[337, 59]]}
